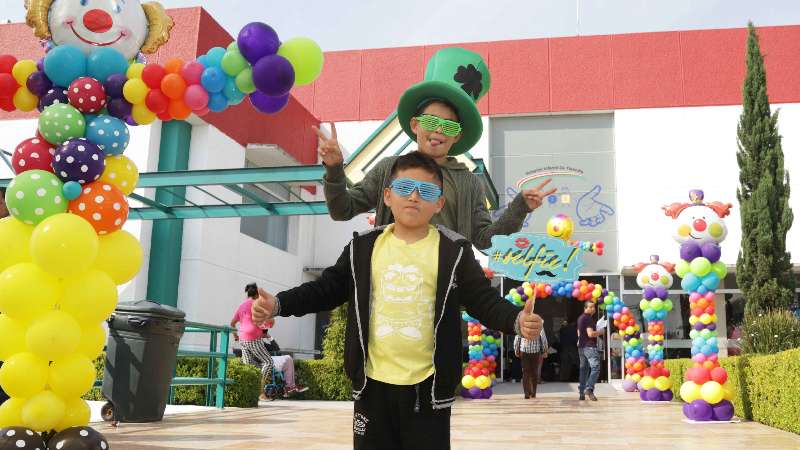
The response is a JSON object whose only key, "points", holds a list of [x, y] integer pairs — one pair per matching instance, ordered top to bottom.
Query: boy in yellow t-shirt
{"points": [[404, 285]]}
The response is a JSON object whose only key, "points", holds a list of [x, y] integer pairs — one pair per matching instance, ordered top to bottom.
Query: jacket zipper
{"points": [[436, 330]]}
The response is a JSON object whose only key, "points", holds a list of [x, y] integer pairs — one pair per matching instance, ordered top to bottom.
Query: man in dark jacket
{"points": [[404, 284]]}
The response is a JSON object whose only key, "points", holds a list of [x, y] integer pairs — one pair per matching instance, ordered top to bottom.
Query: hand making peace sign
{"points": [[329, 148], [534, 197]]}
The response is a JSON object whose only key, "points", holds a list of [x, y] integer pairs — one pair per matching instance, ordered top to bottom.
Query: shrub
{"points": [[770, 332], [773, 388]]}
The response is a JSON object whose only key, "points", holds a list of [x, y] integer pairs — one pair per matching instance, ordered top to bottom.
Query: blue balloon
{"points": [[214, 57], [203, 59], [104, 62], [63, 64], [214, 79], [232, 93], [217, 102], [109, 133], [72, 190], [711, 281], [690, 282], [702, 290], [648, 314], [706, 350], [636, 354]]}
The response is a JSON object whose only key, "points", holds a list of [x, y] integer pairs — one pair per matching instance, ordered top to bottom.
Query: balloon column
{"points": [[699, 229], [64, 250], [654, 279], [484, 349], [635, 362]]}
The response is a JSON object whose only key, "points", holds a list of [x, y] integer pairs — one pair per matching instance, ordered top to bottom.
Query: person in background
{"points": [[254, 352], [532, 353], [588, 353]]}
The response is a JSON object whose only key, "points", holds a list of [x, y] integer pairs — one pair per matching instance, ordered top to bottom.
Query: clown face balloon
{"points": [[124, 25], [698, 222], [654, 274]]}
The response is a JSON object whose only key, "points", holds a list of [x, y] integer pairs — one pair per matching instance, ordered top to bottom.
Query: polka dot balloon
{"points": [[87, 94], [54, 96], [59, 123], [109, 133], [33, 154], [79, 160], [122, 173], [35, 195], [103, 206], [21, 438], [78, 438]]}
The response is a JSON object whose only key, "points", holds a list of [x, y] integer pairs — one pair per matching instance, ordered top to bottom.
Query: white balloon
{"points": [[91, 24], [696, 224], [652, 274]]}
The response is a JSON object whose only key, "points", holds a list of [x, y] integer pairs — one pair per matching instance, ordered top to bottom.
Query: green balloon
{"points": [[233, 46], [305, 56], [233, 62], [244, 81], [60, 122], [35, 195], [700, 266], [682, 268], [720, 269], [657, 304], [644, 305], [667, 305], [693, 334]]}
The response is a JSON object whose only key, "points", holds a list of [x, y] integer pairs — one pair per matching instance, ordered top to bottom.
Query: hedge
{"points": [[325, 377], [766, 387], [242, 394]]}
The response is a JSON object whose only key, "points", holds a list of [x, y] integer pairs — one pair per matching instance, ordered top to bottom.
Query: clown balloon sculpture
{"points": [[699, 229], [64, 251], [655, 279]]}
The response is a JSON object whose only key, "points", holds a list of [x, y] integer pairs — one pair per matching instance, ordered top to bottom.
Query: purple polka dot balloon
{"points": [[56, 94], [79, 160]]}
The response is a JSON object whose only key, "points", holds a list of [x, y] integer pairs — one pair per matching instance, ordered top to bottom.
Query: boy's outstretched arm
{"points": [[323, 294], [485, 304]]}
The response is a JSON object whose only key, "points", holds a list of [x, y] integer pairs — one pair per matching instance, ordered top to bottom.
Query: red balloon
{"points": [[7, 63], [152, 75], [8, 85], [87, 95], [156, 101], [7, 104], [164, 117], [33, 154], [699, 375], [719, 375]]}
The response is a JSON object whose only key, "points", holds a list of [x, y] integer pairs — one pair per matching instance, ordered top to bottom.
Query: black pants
{"points": [[531, 362], [385, 418]]}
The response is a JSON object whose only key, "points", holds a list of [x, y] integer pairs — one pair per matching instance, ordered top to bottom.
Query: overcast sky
{"points": [[358, 24]]}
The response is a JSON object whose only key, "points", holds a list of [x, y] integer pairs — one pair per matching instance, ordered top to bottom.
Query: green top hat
{"points": [[459, 77]]}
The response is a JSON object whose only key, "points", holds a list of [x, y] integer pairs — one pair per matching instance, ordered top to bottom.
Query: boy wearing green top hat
{"points": [[440, 113]]}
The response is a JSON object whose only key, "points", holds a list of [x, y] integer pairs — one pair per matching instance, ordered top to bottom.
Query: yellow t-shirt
{"points": [[402, 308]]}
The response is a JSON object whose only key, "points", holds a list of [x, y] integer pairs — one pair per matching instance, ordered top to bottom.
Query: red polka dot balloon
{"points": [[87, 95], [33, 154], [102, 205]]}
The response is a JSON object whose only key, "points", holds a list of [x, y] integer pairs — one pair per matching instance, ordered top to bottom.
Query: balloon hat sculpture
{"points": [[699, 229], [63, 249], [655, 279]]}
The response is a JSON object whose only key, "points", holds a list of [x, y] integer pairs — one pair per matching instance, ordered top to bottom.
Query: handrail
{"points": [[217, 355]]}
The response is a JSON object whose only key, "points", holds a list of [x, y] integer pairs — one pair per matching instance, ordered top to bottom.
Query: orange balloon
{"points": [[174, 65], [173, 86], [179, 110], [103, 205]]}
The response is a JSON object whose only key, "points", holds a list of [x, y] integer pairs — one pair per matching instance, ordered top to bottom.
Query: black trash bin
{"points": [[140, 360]]}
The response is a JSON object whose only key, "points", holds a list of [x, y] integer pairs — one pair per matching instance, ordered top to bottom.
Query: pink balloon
{"points": [[192, 71], [196, 98], [201, 112], [694, 296], [625, 310], [616, 316], [699, 358]]}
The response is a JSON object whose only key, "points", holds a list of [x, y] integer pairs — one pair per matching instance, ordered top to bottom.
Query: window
{"points": [[271, 230]]}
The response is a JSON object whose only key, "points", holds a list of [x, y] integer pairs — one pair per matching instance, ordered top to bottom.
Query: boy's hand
{"points": [[329, 149], [534, 197], [264, 307], [530, 324]]}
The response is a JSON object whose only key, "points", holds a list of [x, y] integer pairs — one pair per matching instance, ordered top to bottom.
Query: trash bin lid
{"points": [[150, 309]]}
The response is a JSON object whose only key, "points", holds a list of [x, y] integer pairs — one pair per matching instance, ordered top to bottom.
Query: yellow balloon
{"points": [[22, 70], [135, 70], [135, 91], [24, 100], [142, 115], [121, 172], [15, 238], [64, 245], [120, 256], [27, 291], [90, 297], [693, 320], [54, 336], [12, 337], [93, 340], [23, 375], [72, 376], [636, 377], [468, 381], [483, 382], [647, 383], [663, 383], [690, 391], [712, 392], [43, 411], [11, 412], [77, 414]]}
